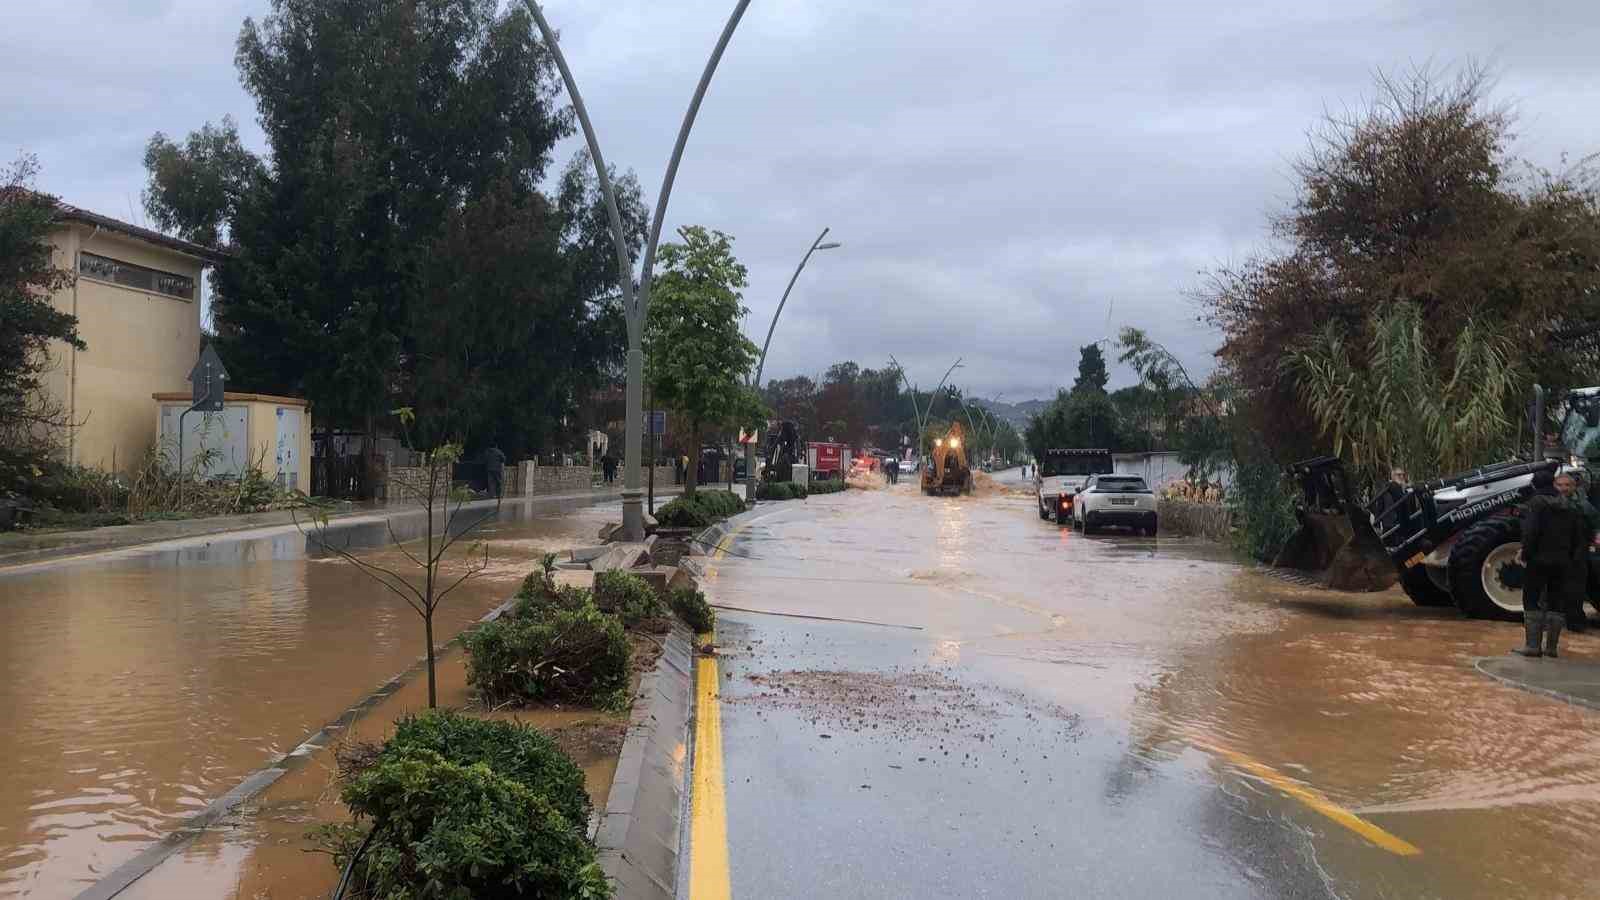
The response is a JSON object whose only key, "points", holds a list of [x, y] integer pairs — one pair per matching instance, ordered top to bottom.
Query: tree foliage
{"points": [[1412, 212], [392, 246], [697, 355], [1092, 374], [1390, 403], [30, 419]]}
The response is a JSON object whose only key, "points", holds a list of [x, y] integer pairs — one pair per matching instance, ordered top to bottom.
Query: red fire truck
{"points": [[827, 460]]}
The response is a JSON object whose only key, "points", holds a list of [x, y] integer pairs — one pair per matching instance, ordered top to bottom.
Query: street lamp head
{"points": [[831, 245]]}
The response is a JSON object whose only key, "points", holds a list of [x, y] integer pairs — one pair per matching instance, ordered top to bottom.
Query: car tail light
{"points": [[1066, 502]]}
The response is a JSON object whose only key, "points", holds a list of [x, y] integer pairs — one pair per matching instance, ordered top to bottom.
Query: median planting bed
{"points": [[459, 803]]}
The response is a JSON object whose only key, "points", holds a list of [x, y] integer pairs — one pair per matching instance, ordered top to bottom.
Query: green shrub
{"points": [[827, 486], [72, 488], [781, 490], [720, 504], [1263, 508], [701, 510], [683, 512], [628, 597], [543, 602], [690, 605], [577, 654], [519, 752], [452, 831]]}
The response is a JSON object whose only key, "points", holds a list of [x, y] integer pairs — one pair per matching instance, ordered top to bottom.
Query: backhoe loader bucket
{"points": [[1335, 537]]}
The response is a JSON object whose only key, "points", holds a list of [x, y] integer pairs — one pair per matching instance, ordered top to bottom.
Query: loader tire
{"points": [[1485, 578], [1417, 584]]}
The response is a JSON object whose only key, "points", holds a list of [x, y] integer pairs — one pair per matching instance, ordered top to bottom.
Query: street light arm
{"points": [[618, 237], [785, 299], [643, 300], [935, 395], [915, 407]]}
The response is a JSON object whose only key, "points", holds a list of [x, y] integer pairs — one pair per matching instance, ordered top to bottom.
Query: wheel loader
{"points": [[946, 470], [1456, 539]]}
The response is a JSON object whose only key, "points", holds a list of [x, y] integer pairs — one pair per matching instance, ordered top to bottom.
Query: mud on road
{"points": [[1205, 708]]}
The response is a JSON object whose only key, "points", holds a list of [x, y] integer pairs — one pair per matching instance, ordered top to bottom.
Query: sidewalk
{"points": [[21, 548], [1572, 681]]}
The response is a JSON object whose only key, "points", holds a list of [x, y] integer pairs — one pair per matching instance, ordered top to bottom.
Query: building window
{"points": [[130, 275]]}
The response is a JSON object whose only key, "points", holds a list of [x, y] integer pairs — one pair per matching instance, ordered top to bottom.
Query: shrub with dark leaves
{"points": [[452, 831]]}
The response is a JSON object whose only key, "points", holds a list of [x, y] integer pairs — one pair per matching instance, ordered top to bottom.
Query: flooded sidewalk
{"points": [[24, 548], [141, 685]]}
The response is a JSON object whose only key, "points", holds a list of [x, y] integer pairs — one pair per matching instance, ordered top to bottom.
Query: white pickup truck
{"points": [[1060, 474]]}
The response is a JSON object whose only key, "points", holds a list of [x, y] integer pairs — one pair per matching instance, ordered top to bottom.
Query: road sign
{"points": [[209, 380], [658, 422], [747, 437]]}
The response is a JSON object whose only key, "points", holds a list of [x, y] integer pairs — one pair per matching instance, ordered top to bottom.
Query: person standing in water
{"points": [[1556, 533]]}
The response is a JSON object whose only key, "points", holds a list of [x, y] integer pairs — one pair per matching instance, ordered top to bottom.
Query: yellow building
{"points": [[137, 301]]}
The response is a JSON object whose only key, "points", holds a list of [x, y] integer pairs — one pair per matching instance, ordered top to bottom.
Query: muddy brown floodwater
{"points": [[1181, 662], [138, 686]]}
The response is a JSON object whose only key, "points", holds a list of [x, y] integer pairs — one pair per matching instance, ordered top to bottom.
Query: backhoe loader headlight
{"points": [[955, 442]]}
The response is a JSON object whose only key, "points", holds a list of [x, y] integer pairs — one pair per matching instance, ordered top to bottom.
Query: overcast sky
{"points": [[1009, 179]]}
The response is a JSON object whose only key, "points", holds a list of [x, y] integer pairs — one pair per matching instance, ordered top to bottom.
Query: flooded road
{"points": [[138, 686], [1044, 714]]}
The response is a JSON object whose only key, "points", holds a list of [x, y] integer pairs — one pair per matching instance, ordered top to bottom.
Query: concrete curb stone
{"points": [[1571, 681], [639, 836]]}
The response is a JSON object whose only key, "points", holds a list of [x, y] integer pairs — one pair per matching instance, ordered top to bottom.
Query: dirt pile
{"points": [[986, 485]]}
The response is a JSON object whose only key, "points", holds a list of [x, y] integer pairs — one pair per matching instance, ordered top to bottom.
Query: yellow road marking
{"points": [[1314, 800], [708, 807], [709, 877]]}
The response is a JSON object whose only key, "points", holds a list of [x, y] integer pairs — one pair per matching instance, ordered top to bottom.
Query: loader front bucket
{"points": [[1335, 537]]}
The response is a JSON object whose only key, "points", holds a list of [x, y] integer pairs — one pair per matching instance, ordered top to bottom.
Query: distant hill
{"points": [[1018, 414]]}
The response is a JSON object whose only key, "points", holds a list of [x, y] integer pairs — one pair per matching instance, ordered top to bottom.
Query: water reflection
{"points": [[139, 686]]}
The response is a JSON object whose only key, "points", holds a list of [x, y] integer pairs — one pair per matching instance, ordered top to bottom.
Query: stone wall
{"points": [[534, 480], [407, 484], [1208, 520]]}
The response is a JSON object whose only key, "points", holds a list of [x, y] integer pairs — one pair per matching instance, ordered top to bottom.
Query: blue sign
{"points": [[658, 422]]}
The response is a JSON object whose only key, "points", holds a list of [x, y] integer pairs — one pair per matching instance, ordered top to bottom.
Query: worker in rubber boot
{"points": [[1556, 533]]}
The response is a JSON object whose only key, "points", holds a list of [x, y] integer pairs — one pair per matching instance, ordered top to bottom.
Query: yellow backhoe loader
{"points": [[946, 471]]}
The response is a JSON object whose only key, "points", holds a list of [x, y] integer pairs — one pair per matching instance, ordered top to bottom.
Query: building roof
{"points": [[72, 213]]}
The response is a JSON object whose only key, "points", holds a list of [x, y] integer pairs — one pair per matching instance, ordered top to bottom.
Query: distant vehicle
{"points": [[826, 459], [1061, 474], [1124, 501]]}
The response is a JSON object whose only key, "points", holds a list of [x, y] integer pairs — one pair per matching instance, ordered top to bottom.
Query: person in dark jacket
{"points": [[494, 464], [1556, 533]]}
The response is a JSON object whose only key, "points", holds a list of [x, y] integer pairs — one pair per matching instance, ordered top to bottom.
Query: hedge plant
{"points": [[628, 597], [690, 605], [579, 655], [516, 751], [451, 831]]}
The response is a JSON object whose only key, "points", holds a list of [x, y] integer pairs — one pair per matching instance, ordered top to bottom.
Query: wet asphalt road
{"points": [[1039, 714]]}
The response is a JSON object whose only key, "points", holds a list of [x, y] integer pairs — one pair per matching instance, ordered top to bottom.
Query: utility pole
{"points": [[635, 306]]}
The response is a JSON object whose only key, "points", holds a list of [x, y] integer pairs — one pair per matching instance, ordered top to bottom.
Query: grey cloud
{"points": [[999, 173]]}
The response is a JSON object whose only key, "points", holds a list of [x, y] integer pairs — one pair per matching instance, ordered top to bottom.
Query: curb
{"points": [[21, 558], [1552, 693], [639, 835], [119, 879]]}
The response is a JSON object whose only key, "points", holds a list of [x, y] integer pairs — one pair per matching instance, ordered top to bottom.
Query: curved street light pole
{"points": [[635, 305], [922, 417], [749, 449]]}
